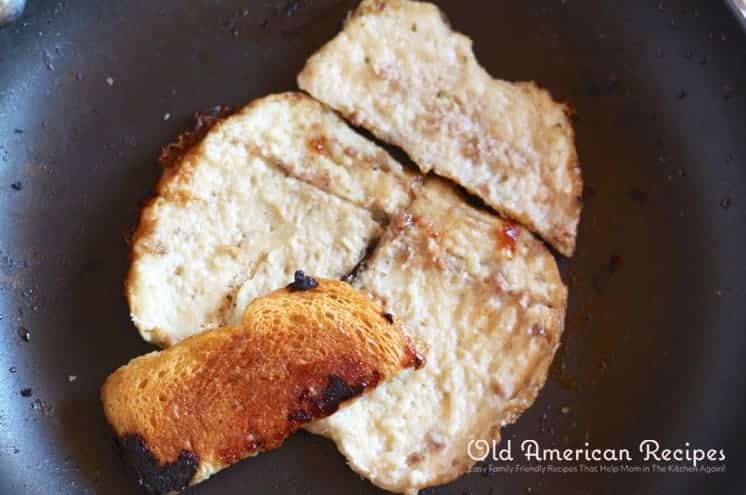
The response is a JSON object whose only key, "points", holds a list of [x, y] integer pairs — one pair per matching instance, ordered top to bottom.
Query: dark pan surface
{"points": [[656, 330]]}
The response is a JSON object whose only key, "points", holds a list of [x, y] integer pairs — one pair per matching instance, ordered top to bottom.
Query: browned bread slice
{"points": [[399, 70], [187, 412]]}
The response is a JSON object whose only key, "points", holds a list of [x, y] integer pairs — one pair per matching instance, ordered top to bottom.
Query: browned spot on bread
{"points": [[370, 8], [319, 144], [471, 149], [379, 159], [180, 196], [401, 222], [508, 235], [430, 239], [222, 313], [419, 359], [497, 389], [231, 392]]}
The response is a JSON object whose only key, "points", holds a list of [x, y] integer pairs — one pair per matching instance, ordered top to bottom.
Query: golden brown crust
{"points": [[229, 393]]}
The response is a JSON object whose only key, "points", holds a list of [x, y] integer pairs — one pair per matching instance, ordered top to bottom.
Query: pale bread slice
{"points": [[398, 70], [282, 185], [485, 299], [298, 353]]}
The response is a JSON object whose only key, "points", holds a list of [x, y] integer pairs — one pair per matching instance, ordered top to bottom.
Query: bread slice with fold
{"points": [[400, 71], [284, 183], [485, 299], [296, 355]]}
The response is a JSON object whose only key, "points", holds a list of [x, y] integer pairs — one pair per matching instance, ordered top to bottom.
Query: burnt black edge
{"points": [[158, 478]]}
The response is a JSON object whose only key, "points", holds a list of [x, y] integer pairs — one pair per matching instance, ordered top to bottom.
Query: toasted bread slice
{"points": [[399, 70], [281, 184], [486, 300], [187, 412]]}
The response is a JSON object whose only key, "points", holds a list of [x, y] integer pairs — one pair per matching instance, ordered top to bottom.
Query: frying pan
{"points": [[655, 340]]}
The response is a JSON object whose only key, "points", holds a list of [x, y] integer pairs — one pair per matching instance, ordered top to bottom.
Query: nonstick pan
{"points": [[655, 341]]}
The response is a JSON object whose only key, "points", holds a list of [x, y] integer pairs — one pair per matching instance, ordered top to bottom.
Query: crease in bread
{"points": [[400, 71], [280, 184], [486, 300], [184, 413]]}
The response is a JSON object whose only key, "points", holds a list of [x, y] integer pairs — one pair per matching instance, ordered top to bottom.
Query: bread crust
{"points": [[400, 71], [223, 395]]}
